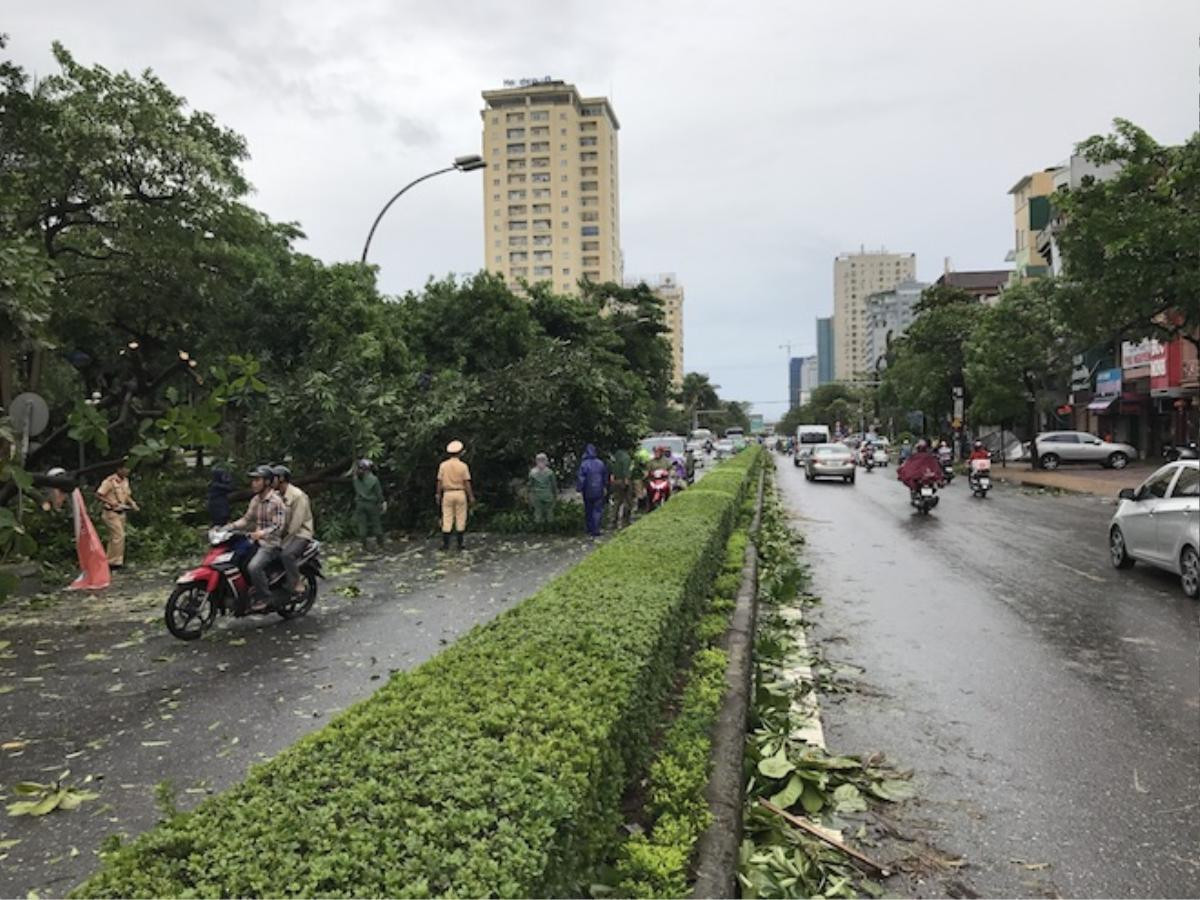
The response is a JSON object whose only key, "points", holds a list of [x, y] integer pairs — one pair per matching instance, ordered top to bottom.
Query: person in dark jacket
{"points": [[592, 483], [219, 489]]}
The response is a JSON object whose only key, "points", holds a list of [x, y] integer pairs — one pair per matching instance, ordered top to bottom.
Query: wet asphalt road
{"points": [[95, 684], [1048, 704]]}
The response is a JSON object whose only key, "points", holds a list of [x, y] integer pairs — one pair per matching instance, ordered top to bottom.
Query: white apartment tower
{"points": [[551, 200], [857, 276]]}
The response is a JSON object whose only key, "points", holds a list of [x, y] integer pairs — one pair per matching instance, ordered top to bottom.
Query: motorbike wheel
{"points": [[298, 608], [190, 611]]}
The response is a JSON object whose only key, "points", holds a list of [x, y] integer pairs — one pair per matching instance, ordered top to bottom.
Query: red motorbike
{"points": [[658, 488], [221, 585]]}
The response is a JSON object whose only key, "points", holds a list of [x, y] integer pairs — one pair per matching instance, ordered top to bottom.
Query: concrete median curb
{"points": [[717, 850]]}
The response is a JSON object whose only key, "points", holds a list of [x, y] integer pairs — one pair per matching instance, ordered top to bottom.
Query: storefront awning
{"points": [[1101, 404]]}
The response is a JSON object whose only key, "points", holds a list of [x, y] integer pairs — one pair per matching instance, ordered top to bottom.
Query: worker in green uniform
{"points": [[622, 487], [543, 490], [368, 504]]}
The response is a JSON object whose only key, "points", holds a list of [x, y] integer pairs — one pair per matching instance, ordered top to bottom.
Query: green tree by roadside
{"points": [[1131, 242]]}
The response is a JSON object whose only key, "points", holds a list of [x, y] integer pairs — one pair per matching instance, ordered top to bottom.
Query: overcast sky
{"points": [[758, 140]]}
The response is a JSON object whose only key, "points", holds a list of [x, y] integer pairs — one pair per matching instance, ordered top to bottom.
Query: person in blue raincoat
{"points": [[592, 482]]}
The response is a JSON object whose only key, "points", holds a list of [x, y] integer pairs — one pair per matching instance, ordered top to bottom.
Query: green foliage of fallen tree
{"points": [[495, 769]]}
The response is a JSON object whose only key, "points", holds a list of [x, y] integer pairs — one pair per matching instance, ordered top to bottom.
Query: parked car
{"points": [[1055, 448], [830, 461], [1159, 524]]}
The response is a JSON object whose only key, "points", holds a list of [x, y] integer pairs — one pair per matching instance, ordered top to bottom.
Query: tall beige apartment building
{"points": [[551, 202], [855, 277], [668, 289]]}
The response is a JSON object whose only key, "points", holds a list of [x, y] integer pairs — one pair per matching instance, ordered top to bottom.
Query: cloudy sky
{"points": [[758, 139]]}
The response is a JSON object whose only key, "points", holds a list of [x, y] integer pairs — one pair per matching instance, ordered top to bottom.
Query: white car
{"points": [[724, 448], [1159, 524]]}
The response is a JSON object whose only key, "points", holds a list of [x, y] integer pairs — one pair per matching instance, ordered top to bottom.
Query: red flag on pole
{"points": [[93, 561]]}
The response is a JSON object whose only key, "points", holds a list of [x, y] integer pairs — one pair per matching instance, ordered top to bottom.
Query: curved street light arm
{"points": [[388, 205]]}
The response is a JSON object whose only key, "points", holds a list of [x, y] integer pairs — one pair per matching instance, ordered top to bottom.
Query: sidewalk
{"points": [[1078, 479], [95, 684]]}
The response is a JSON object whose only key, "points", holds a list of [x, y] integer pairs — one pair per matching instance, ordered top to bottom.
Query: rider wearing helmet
{"points": [[978, 451], [267, 516], [298, 527]]}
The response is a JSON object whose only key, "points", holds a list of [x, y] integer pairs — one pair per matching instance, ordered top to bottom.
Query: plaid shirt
{"points": [[269, 516]]}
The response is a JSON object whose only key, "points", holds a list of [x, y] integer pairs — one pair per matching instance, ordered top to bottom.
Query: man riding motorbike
{"points": [[269, 516], [298, 529]]}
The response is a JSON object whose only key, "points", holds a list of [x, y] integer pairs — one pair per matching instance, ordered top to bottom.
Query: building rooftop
{"points": [[548, 90]]}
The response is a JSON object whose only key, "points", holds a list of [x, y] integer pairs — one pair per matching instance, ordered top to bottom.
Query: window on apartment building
{"points": [[539, 115], [562, 115], [514, 117], [495, 120], [587, 126], [539, 131], [515, 134], [587, 142], [539, 147], [562, 147], [512, 149], [495, 151], [588, 156], [541, 162], [516, 164], [587, 171], [541, 177], [564, 178], [514, 179], [589, 186], [539, 193], [564, 193], [514, 195], [495, 196], [589, 201], [541, 208], [565, 209], [518, 210], [589, 217], [541, 224], [517, 226], [590, 230], [542, 240], [566, 240], [520, 241], [590, 245], [542, 255], [518, 257], [499, 258], [591, 260], [566, 270], [543, 271], [520, 272], [592, 276]]}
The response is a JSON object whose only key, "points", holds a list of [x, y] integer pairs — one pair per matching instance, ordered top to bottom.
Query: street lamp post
{"points": [[461, 164]]}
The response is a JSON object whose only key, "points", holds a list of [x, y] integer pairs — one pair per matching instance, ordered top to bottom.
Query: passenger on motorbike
{"points": [[945, 453], [923, 466], [268, 515], [298, 531]]}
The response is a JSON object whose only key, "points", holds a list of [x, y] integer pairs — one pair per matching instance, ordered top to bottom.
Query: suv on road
{"points": [[1055, 448]]}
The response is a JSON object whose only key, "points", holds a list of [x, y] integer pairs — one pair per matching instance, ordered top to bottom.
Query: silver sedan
{"points": [[830, 461], [1159, 524]]}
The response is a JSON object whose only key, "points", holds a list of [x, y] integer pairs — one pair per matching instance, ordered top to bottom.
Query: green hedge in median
{"points": [[496, 768]]}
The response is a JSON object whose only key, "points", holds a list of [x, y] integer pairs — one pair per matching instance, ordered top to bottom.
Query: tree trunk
{"points": [[7, 374]]}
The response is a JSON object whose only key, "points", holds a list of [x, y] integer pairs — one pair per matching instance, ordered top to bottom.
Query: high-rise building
{"points": [[551, 191], [855, 277], [668, 289], [889, 314], [825, 350], [795, 373], [808, 377]]}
